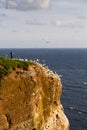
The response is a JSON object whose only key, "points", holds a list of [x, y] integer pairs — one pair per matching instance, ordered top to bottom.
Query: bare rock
{"points": [[4, 125]]}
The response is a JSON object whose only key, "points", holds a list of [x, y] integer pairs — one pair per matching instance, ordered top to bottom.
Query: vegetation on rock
{"points": [[6, 64]]}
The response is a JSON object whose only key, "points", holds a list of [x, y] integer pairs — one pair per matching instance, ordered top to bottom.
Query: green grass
{"points": [[7, 63], [3, 71]]}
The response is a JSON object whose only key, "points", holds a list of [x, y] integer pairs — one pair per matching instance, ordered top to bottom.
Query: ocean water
{"points": [[71, 65]]}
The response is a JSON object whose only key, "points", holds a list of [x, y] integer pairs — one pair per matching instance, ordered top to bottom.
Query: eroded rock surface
{"points": [[30, 100]]}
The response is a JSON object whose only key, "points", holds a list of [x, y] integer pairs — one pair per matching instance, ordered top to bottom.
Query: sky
{"points": [[43, 24]]}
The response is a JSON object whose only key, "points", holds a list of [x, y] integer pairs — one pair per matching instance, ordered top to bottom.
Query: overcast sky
{"points": [[61, 24]]}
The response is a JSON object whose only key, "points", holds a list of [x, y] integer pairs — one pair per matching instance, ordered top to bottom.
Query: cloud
{"points": [[2, 3], [39, 3], [28, 4], [69, 4], [2, 15], [82, 17], [36, 22], [57, 23], [68, 24], [73, 25]]}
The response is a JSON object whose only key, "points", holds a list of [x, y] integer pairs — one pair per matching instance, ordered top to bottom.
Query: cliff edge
{"points": [[30, 97]]}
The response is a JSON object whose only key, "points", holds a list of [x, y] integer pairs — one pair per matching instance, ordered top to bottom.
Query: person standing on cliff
{"points": [[11, 55]]}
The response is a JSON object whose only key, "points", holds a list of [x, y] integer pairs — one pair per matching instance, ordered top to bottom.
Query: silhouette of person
{"points": [[11, 55]]}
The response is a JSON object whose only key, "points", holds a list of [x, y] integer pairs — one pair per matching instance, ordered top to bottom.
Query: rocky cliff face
{"points": [[30, 100]]}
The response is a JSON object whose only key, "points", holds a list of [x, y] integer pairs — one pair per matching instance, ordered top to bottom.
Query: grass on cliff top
{"points": [[7, 63]]}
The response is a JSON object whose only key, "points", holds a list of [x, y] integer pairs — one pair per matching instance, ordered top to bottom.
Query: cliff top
{"points": [[6, 64]]}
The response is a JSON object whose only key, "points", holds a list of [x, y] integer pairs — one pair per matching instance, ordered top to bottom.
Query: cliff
{"points": [[30, 97]]}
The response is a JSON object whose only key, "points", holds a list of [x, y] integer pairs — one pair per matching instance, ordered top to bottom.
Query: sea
{"points": [[71, 65]]}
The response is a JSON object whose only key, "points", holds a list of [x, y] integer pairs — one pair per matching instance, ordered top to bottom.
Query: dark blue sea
{"points": [[71, 65]]}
